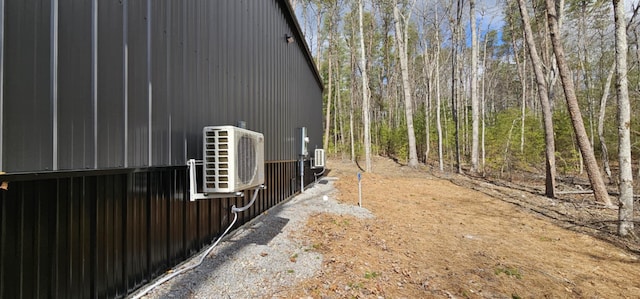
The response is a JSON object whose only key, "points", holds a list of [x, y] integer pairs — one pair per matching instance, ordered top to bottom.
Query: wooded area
{"points": [[478, 87]]}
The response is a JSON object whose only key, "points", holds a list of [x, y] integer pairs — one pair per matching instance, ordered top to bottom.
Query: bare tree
{"points": [[319, 14], [402, 24], [456, 26], [332, 27], [352, 44], [427, 71], [522, 71], [428, 75], [436, 79], [365, 93], [438, 102], [483, 104], [603, 105], [475, 106], [603, 109], [339, 115], [327, 123], [550, 148], [597, 183], [625, 211]]}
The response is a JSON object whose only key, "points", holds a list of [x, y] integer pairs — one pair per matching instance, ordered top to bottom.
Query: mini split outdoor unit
{"points": [[233, 159], [318, 162]]}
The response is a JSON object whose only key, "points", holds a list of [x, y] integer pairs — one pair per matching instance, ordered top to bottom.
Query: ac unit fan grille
{"points": [[246, 159]]}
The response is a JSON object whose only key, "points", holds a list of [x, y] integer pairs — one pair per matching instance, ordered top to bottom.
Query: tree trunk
{"points": [[333, 11], [319, 14], [401, 39], [552, 69], [522, 70], [428, 75], [454, 80], [352, 89], [365, 93], [482, 102], [438, 104], [339, 106], [336, 108], [523, 108], [475, 109], [603, 109], [427, 121], [327, 123], [351, 129], [550, 149], [505, 161], [597, 183], [625, 211]]}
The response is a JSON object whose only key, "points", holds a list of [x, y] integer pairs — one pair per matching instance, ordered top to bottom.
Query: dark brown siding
{"points": [[104, 235]]}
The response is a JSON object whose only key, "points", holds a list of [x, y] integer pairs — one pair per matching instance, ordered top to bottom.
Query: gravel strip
{"points": [[262, 256]]}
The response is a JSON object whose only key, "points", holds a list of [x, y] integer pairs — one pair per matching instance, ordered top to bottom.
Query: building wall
{"points": [[91, 84], [101, 104], [104, 234]]}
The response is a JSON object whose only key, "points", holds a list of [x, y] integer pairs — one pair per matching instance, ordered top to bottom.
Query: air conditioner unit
{"points": [[233, 159], [318, 162]]}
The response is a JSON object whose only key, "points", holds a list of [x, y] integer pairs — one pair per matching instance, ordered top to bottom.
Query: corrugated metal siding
{"points": [[163, 70], [137, 82], [110, 89], [75, 108], [27, 144], [105, 234]]}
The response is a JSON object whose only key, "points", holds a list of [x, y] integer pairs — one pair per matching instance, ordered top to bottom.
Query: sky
{"points": [[490, 14]]}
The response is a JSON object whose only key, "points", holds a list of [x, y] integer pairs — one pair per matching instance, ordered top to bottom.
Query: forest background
{"points": [[460, 85]]}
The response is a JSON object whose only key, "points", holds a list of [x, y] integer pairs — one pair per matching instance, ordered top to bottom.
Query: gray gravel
{"points": [[263, 256]]}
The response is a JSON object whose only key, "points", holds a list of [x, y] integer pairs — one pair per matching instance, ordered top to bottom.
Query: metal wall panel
{"points": [[164, 69], [177, 70], [137, 87], [161, 105], [75, 109], [111, 109], [27, 112], [176, 202], [158, 226], [136, 233], [109, 234], [102, 235]]}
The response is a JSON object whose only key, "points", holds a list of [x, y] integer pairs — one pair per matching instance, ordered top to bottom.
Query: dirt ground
{"points": [[455, 237]]}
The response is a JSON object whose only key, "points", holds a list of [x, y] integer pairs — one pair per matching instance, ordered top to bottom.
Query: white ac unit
{"points": [[233, 159], [319, 160]]}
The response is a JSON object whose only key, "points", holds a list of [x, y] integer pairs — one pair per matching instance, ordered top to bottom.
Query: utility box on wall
{"points": [[302, 142]]}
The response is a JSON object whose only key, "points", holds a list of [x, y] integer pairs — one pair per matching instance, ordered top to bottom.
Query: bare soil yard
{"points": [[456, 237]]}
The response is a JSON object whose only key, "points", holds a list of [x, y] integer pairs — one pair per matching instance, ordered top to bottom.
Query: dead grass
{"points": [[435, 239]]}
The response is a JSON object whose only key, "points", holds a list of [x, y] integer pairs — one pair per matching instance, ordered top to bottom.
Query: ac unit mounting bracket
{"points": [[193, 185]]}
